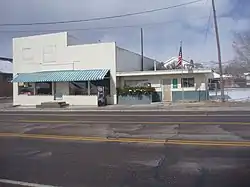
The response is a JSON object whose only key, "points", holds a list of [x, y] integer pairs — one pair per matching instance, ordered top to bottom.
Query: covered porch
{"points": [[75, 87]]}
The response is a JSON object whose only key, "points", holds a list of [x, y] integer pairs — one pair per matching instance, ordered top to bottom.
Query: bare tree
{"points": [[241, 47], [198, 65], [235, 69]]}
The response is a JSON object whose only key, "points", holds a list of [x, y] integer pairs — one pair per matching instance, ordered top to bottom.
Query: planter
{"points": [[134, 100]]}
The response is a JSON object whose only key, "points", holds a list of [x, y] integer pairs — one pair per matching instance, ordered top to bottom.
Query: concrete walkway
{"points": [[205, 106]]}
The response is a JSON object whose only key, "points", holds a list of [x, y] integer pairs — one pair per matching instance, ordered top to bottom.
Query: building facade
{"points": [[47, 68], [5, 77], [5, 85], [171, 85]]}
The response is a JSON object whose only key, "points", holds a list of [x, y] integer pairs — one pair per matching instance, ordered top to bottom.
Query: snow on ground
{"points": [[232, 94]]}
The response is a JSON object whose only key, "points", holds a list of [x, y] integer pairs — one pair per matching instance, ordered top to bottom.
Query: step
{"points": [[52, 105]]}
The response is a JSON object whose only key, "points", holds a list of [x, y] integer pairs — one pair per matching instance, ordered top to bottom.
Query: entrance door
{"points": [[57, 94], [167, 94]]}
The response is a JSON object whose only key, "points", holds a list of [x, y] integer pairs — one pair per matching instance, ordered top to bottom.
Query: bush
{"points": [[135, 91]]}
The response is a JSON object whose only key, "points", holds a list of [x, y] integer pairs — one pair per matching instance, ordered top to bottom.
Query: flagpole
{"points": [[182, 88]]}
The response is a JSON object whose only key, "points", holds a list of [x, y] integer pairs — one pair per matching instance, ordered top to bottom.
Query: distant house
{"points": [[173, 62], [5, 77], [247, 77], [214, 82]]}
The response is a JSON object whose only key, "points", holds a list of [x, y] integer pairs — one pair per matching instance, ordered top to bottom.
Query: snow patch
{"points": [[233, 94]]}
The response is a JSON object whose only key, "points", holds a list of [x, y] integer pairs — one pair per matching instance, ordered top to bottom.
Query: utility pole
{"points": [[142, 52], [219, 53]]}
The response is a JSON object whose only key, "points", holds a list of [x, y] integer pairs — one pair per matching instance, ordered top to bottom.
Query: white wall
{"points": [[31, 53], [52, 53], [127, 61], [30, 100], [83, 100]]}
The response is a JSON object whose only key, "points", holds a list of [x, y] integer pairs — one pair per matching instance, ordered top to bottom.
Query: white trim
{"points": [[162, 72]]}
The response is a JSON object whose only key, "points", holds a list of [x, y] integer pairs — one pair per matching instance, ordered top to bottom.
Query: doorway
{"points": [[57, 94], [167, 94]]}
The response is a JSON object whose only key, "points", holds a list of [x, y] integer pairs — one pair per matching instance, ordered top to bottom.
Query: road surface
{"points": [[125, 149]]}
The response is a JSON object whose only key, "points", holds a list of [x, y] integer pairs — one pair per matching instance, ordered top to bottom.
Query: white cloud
{"points": [[188, 23]]}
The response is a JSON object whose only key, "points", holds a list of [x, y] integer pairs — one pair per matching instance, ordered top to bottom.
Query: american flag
{"points": [[180, 57]]}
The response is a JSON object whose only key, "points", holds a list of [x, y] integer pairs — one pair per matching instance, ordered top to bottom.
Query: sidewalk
{"points": [[202, 106]]}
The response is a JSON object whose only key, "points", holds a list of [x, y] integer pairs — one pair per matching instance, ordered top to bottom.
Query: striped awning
{"points": [[62, 76]]}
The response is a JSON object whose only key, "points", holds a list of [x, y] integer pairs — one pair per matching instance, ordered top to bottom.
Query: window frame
{"points": [[188, 84], [30, 87], [51, 87], [79, 90]]}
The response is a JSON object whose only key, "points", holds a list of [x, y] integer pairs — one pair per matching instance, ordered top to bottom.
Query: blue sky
{"points": [[162, 30]]}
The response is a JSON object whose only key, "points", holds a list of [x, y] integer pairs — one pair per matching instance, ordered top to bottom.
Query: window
{"points": [[27, 54], [49, 54], [187, 82], [25, 88], [44, 88], [78, 88]]}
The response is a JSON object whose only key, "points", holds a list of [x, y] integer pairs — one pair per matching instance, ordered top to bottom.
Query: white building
{"points": [[46, 69], [247, 77]]}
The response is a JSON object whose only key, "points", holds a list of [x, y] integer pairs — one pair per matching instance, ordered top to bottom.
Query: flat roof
{"points": [[163, 72]]}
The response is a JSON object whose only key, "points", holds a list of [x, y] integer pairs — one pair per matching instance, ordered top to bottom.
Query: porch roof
{"points": [[163, 72], [62, 76]]}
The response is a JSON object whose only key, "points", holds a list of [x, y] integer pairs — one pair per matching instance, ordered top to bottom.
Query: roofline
{"points": [[42, 34], [145, 57], [6, 59], [163, 72], [5, 73]]}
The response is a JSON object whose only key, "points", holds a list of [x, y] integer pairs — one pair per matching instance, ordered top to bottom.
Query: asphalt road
{"points": [[229, 126], [125, 149]]}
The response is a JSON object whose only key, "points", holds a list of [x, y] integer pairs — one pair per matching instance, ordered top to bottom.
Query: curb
{"points": [[133, 110]]}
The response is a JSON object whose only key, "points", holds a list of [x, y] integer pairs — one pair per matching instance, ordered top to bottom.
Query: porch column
{"points": [[88, 87], [34, 88], [53, 88]]}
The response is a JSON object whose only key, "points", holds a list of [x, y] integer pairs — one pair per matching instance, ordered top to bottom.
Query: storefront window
{"points": [[25, 88], [44, 88], [78, 88]]}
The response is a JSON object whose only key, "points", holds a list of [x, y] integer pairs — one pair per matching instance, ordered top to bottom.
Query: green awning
{"points": [[62, 76]]}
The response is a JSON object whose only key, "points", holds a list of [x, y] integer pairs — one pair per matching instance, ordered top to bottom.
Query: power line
{"points": [[101, 18], [208, 24], [100, 28]]}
